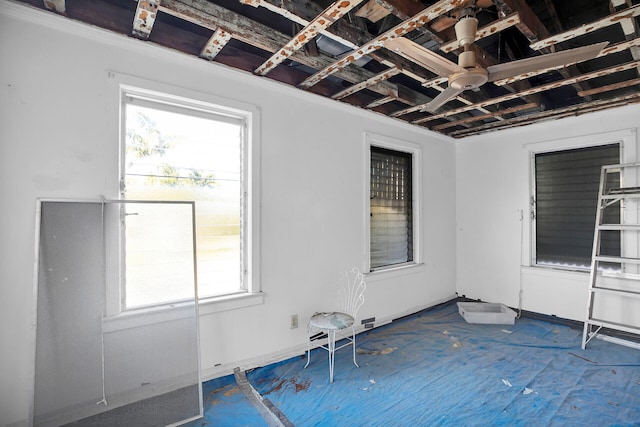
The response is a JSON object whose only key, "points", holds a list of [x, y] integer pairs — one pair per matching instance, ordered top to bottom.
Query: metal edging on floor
{"points": [[272, 415]]}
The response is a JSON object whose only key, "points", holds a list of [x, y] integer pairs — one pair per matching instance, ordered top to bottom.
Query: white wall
{"points": [[56, 142], [493, 187]]}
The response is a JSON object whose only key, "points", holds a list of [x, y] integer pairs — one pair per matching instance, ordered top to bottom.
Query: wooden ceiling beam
{"points": [[58, 6], [405, 9], [373, 11], [302, 12], [212, 16], [327, 17], [144, 18], [612, 19], [530, 25], [493, 28], [630, 29], [399, 30], [534, 30], [342, 32], [350, 36], [214, 45], [618, 47], [380, 77], [609, 88], [537, 89], [382, 101], [573, 110], [493, 115]]}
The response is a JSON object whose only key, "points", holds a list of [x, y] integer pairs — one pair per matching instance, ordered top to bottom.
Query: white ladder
{"points": [[623, 284]]}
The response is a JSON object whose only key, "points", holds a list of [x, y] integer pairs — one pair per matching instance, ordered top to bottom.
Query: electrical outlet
{"points": [[294, 321]]}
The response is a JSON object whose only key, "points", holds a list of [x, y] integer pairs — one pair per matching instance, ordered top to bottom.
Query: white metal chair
{"points": [[351, 293]]}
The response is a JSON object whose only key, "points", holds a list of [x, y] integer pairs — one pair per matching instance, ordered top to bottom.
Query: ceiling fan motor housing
{"points": [[473, 76]]}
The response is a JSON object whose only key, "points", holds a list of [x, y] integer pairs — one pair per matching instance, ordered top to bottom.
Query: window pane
{"points": [[179, 154], [566, 200], [391, 222], [159, 253]]}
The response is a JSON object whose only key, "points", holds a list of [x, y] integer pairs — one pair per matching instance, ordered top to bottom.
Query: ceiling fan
{"points": [[466, 74]]}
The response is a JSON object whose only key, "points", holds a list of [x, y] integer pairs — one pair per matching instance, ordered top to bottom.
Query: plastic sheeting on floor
{"points": [[433, 368], [225, 406]]}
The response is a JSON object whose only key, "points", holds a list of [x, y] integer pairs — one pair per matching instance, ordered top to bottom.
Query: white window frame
{"points": [[122, 84], [372, 139], [628, 153]]}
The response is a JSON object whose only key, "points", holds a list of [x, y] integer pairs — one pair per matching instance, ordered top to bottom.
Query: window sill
{"points": [[548, 270], [392, 272], [230, 302], [150, 316]]}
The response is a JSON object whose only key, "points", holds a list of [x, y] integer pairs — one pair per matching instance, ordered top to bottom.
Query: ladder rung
{"points": [[624, 190], [620, 196], [608, 198], [633, 227], [617, 259], [613, 291], [614, 325]]}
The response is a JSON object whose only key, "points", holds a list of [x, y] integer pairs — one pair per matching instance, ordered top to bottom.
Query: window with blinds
{"points": [[566, 196], [391, 222]]}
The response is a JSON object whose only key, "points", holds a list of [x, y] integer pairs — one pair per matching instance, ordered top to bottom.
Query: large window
{"points": [[174, 149], [565, 201], [391, 222]]}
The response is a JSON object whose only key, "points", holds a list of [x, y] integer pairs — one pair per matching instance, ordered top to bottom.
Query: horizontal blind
{"points": [[567, 185], [391, 222]]}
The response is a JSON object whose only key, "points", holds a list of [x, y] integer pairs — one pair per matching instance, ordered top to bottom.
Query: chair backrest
{"points": [[351, 291]]}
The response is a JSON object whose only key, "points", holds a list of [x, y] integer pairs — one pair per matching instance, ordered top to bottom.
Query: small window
{"points": [[176, 150], [566, 195], [391, 208]]}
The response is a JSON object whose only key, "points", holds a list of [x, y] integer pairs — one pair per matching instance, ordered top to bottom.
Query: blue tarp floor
{"points": [[434, 369]]}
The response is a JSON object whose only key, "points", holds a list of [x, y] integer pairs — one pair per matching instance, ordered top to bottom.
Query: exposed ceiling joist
{"points": [[58, 6], [405, 9], [373, 11], [302, 12], [212, 16], [144, 18], [612, 19], [529, 25], [494, 28], [311, 30], [399, 30], [214, 45], [619, 47], [347, 48], [383, 76], [608, 88], [537, 89], [494, 115], [552, 115]]}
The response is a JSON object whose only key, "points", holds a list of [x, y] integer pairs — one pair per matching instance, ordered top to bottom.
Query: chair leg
{"points": [[353, 343], [308, 346], [332, 352]]}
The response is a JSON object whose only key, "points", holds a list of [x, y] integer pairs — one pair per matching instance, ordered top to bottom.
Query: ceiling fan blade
{"points": [[422, 56], [550, 60], [444, 97]]}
